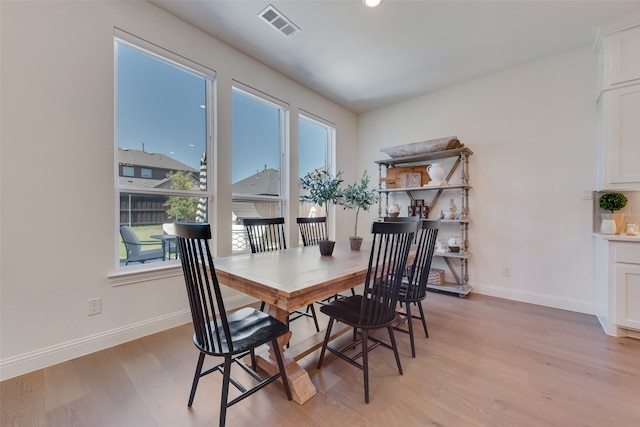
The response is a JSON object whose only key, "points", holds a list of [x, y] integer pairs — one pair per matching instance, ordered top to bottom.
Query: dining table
{"points": [[290, 279]]}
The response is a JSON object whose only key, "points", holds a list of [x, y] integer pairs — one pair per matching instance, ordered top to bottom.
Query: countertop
{"points": [[617, 237]]}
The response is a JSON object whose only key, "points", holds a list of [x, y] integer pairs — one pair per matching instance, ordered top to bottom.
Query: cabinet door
{"points": [[622, 57], [620, 150], [628, 295]]}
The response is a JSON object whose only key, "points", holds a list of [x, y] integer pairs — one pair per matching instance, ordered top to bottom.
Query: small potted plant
{"points": [[322, 188], [358, 196], [612, 222]]}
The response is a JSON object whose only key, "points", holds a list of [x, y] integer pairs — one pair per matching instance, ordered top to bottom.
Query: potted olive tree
{"points": [[322, 188], [358, 196], [612, 222]]}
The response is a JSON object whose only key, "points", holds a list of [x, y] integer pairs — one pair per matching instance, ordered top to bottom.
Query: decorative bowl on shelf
{"points": [[393, 210], [454, 248]]}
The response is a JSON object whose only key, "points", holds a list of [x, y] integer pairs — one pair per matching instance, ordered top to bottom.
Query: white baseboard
{"points": [[586, 307], [47, 356]]}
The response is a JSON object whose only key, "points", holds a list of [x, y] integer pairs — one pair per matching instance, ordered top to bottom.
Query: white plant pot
{"points": [[608, 226]]}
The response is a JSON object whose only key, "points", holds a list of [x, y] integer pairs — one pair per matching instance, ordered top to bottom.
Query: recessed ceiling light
{"points": [[371, 3]]}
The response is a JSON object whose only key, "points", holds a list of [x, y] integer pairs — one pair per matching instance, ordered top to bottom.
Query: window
{"points": [[163, 110], [315, 143], [258, 144]]}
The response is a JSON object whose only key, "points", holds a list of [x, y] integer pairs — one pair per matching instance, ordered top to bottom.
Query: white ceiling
{"points": [[366, 58]]}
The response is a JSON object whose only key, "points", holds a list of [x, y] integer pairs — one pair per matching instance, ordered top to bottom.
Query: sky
{"points": [[161, 110]]}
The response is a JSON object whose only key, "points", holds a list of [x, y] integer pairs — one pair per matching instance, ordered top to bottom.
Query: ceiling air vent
{"points": [[278, 21]]}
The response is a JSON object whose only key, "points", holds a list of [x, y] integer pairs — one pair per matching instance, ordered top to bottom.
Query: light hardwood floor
{"points": [[488, 362]]}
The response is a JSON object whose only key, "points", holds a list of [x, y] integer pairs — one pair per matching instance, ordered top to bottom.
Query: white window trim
{"points": [[284, 143], [125, 275]]}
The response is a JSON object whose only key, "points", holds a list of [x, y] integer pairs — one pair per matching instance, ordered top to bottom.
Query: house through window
{"points": [[163, 110]]}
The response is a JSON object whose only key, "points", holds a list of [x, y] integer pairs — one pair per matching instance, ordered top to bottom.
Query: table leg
{"points": [[302, 389]]}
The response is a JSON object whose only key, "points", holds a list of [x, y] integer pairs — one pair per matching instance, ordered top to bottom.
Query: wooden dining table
{"points": [[290, 279]]}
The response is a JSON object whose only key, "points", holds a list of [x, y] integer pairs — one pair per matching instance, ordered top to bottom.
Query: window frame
{"points": [[284, 123], [330, 155], [146, 271]]}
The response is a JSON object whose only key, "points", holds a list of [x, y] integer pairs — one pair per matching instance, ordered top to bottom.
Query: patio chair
{"points": [[267, 234], [134, 246], [171, 246], [376, 307], [218, 333]]}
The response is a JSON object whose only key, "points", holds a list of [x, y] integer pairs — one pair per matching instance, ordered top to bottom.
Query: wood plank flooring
{"points": [[488, 362]]}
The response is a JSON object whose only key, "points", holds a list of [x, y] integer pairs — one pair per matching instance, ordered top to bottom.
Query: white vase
{"points": [[436, 172], [608, 226]]}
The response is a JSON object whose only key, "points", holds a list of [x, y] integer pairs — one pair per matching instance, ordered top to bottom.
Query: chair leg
{"points": [[313, 314], [424, 319], [410, 324], [392, 338], [326, 341], [253, 359], [365, 363], [283, 372], [226, 376], [196, 378]]}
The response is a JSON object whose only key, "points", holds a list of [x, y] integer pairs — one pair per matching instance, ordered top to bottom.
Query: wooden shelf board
{"points": [[426, 156], [425, 188], [457, 255], [452, 288]]}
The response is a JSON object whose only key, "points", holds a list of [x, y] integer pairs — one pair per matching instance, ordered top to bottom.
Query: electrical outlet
{"points": [[506, 271], [95, 306]]}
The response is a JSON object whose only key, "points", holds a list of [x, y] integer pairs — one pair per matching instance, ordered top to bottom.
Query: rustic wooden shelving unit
{"points": [[457, 263]]}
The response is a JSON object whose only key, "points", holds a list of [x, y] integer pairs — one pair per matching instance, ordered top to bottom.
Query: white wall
{"points": [[533, 133], [57, 226]]}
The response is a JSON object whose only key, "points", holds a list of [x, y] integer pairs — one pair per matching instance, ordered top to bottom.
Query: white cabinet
{"points": [[620, 57], [619, 111], [619, 163], [458, 189], [618, 285], [627, 285]]}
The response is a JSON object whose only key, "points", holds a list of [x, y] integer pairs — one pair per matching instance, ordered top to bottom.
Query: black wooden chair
{"points": [[313, 230], [267, 234], [414, 285], [376, 308], [218, 333]]}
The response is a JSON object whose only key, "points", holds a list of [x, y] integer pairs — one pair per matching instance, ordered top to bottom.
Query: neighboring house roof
{"points": [[127, 156], [143, 159], [139, 182], [265, 182]]}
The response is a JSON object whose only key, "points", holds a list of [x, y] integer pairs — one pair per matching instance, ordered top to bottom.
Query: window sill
{"points": [[145, 273]]}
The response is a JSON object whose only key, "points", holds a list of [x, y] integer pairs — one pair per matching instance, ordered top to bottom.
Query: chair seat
{"points": [[146, 255], [410, 293], [347, 310], [249, 329]]}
